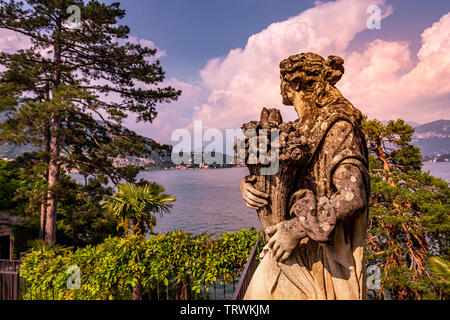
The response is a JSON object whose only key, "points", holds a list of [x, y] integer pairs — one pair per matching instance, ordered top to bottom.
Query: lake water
{"points": [[438, 169], [209, 200]]}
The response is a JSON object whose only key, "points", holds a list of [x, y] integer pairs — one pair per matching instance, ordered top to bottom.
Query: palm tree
{"points": [[134, 205], [42, 247], [441, 267]]}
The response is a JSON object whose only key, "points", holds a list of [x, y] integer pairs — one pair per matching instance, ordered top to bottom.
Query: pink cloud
{"points": [[11, 41], [430, 77], [248, 79], [384, 82], [236, 87], [178, 114]]}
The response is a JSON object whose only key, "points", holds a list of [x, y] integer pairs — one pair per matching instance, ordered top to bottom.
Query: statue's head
{"points": [[310, 73]]}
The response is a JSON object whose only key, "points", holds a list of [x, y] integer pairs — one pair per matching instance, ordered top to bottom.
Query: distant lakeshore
{"points": [[147, 165], [436, 165], [438, 169]]}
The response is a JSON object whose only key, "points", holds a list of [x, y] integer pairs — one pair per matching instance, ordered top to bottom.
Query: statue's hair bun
{"points": [[334, 69]]}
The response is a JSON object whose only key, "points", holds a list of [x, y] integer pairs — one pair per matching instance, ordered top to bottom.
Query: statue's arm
{"points": [[350, 196], [318, 215]]}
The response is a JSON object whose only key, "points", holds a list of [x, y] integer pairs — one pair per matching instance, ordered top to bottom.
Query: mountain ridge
{"points": [[433, 138]]}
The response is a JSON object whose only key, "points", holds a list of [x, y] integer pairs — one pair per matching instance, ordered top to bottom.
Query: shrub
{"points": [[110, 269]]}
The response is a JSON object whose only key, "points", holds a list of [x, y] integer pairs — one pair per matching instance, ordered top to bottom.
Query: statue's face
{"points": [[287, 93]]}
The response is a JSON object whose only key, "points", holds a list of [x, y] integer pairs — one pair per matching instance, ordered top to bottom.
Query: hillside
{"points": [[433, 138]]}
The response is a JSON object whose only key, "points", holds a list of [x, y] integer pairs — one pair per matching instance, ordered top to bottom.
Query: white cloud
{"points": [[148, 44], [248, 79]]}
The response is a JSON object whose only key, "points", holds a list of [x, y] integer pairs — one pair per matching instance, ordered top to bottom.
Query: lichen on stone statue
{"points": [[290, 151], [314, 208]]}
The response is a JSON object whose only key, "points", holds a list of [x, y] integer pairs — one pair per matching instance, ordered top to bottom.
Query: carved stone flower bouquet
{"points": [[273, 151]]}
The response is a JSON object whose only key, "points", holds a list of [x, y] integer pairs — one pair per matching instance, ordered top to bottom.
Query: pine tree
{"points": [[71, 90], [409, 220]]}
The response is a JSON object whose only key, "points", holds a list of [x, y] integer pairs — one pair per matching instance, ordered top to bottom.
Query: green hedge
{"points": [[109, 270]]}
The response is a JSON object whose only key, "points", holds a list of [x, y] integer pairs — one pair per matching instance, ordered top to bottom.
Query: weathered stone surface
{"points": [[292, 151], [314, 209]]}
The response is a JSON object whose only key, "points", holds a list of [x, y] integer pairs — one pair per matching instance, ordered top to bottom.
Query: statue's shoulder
{"points": [[341, 116], [333, 122]]}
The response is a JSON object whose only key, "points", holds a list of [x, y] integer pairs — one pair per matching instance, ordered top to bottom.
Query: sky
{"points": [[224, 56]]}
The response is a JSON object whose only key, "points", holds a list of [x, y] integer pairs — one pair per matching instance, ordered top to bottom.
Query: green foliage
{"points": [[68, 94], [391, 144], [12, 181], [16, 185], [137, 203], [81, 219], [408, 219], [41, 246], [110, 269]]}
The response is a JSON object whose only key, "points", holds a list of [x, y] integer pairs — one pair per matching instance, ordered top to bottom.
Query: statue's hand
{"points": [[253, 197], [283, 239]]}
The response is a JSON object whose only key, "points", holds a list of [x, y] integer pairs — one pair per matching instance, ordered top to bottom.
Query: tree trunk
{"points": [[55, 150], [386, 166], [53, 177], [43, 217], [184, 290], [137, 291]]}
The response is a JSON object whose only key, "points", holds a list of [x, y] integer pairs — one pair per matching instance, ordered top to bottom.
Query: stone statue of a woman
{"points": [[317, 250]]}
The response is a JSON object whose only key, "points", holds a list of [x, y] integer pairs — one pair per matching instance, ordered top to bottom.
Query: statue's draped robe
{"points": [[332, 269]]}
